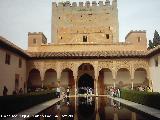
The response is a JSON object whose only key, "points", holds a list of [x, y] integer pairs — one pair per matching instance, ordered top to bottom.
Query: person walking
{"points": [[5, 90], [68, 90], [21, 91], [58, 92]]}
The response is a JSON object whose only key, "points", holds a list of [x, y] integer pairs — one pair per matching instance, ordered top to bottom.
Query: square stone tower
{"points": [[95, 23]]}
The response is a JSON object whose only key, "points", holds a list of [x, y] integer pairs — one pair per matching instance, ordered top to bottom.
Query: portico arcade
{"points": [[121, 73]]}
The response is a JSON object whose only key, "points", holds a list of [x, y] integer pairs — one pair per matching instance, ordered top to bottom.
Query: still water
{"points": [[90, 108]]}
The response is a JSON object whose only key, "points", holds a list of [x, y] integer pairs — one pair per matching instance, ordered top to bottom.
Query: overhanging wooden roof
{"points": [[4, 43], [95, 54], [87, 55]]}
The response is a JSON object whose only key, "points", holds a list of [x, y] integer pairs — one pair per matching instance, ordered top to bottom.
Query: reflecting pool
{"points": [[90, 108]]}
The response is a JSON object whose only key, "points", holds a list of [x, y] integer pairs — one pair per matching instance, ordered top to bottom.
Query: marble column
{"points": [[42, 84], [132, 85], [96, 87], [134, 116]]}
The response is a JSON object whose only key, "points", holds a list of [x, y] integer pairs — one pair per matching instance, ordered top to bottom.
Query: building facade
{"points": [[85, 52]]}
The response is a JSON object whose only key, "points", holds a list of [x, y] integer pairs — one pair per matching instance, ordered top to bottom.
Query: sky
{"points": [[18, 17]]}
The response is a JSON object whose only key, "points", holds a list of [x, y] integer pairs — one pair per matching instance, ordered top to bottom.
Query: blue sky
{"points": [[18, 17]]}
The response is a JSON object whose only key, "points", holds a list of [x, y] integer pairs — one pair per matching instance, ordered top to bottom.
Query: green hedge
{"points": [[145, 98], [15, 103]]}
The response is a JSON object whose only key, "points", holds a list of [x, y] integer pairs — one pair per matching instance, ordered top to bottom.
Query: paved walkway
{"points": [[149, 110], [28, 113]]}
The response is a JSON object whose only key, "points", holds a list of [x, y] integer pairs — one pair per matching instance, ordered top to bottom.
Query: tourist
{"points": [[141, 88], [149, 89], [5, 90], [21, 91], [68, 91], [90, 91], [14, 92], [58, 92], [118, 92]]}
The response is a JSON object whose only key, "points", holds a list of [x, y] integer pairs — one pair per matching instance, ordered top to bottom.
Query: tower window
{"points": [[81, 15], [59, 18], [107, 36], [61, 38], [84, 38], [139, 39], [34, 41], [8, 59]]}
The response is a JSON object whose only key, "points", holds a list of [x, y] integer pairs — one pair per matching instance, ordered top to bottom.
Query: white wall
{"points": [[7, 72], [155, 73]]}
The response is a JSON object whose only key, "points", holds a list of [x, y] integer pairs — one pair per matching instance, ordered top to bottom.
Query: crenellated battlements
{"points": [[85, 4], [71, 21], [137, 31], [35, 33]]}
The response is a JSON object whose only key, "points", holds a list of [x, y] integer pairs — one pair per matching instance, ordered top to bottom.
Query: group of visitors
{"points": [[144, 88], [86, 90], [15, 92], [18, 92], [58, 92], [114, 92]]}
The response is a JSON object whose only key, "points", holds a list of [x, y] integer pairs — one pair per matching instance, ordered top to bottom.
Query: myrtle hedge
{"points": [[146, 98], [12, 104]]}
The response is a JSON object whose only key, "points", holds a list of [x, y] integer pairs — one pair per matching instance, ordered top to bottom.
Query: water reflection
{"points": [[86, 108], [89, 108]]}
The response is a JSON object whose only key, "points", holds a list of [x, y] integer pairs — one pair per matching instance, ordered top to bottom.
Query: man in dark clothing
{"points": [[5, 90]]}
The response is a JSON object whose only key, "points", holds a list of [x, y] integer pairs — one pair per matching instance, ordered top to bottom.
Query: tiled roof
{"points": [[4, 43], [153, 51], [78, 54], [93, 54], [96, 54]]}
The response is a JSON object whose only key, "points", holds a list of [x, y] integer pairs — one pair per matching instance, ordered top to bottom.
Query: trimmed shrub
{"points": [[145, 98], [15, 103]]}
